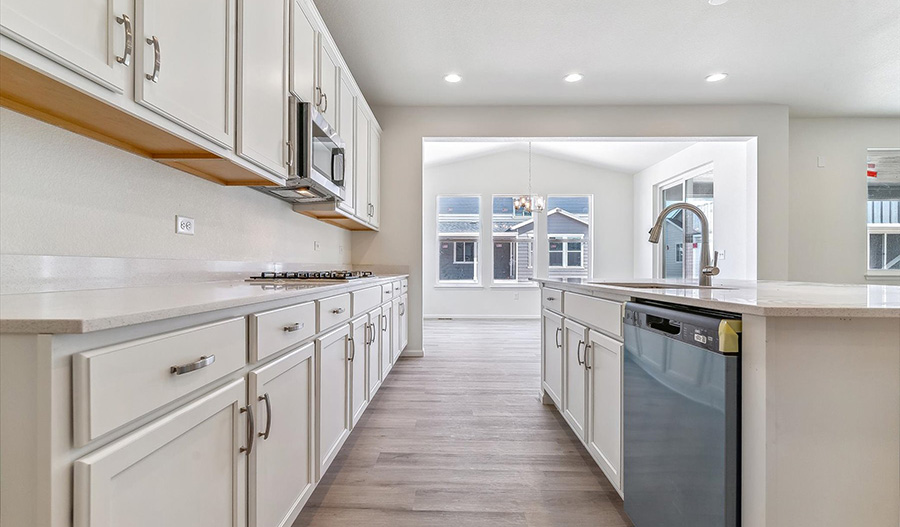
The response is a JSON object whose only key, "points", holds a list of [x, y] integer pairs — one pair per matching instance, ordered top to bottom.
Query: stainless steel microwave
{"points": [[315, 158]]}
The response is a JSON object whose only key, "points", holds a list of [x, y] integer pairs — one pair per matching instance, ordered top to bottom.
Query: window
{"points": [[883, 212], [458, 231], [512, 233], [568, 236], [680, 246]]}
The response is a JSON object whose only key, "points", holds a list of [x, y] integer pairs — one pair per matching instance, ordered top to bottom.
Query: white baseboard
{"points": [[482, 317], [412, 353]]}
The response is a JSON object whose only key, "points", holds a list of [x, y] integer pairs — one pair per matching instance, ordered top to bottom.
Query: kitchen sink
{"points": [[658, 285]]}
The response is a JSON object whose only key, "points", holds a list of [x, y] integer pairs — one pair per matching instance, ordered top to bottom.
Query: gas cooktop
{"points": [[294, 276]]}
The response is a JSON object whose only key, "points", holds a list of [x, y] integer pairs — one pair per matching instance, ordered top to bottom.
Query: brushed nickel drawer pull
{"points": [[125, 59], [157, 61], [337, 311], [384, 322], [296, 326], [558, 342], [352, 349], [193, 366], [251, 429], [265, 435]]}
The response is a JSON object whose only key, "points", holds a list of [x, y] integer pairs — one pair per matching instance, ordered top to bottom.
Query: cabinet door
{"points": [[87, 36], [304, 48], [186, 63], [328, 81], [262, 84], [347, 130], [362, 164], [375, 175], [404, 323], [396, 329], [378, 331], [387, 340], [359, 345], [551, 355], [574, 376], [333, 382], [604, 439], [282, 465], [185, 469]]}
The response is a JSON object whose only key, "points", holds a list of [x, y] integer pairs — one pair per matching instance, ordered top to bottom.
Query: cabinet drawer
{"points": [[404, 286], [397, 288], [387, 292], [552, 299], [366, 300], [333, 310], [604, 315], [275, 330], [117, 384]]}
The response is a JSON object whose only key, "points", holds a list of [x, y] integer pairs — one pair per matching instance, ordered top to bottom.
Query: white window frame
{"points": [[880, 228], [468, 236], [589, 236], [566, 239], [515, 241], [456, 252], [659, 257]]}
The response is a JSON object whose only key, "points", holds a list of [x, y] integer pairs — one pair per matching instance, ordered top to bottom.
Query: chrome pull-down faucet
{"points": [[707, 271]]}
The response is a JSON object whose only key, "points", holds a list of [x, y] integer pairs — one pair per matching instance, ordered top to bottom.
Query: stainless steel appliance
{"points": [[315, 158], [681, 417]]}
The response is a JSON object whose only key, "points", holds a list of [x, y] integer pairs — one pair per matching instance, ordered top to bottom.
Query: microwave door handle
{"points": [[337, 165]]}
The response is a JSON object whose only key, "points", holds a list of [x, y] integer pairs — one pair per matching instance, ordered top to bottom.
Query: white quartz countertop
{"points": [[763, 297], [99, 309]]}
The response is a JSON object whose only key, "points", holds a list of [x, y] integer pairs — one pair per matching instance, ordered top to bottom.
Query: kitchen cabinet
{"points": [[92, 38], [304, 39], [185, 57], [329, 73], [262, 84], [346, 128], [361, 175], [374, 175], [397, 323], [404, 323], [389, 336], [377, 337], [575, 337], [359, 344], [551, 356], [604, 360], [332, 395], [282, 462], [186, 469]]}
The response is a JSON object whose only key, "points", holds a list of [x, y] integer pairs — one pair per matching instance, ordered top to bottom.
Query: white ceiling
{"points": [[820, 57], [628, 157]]}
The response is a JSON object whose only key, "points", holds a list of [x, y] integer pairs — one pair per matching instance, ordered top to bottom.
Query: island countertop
{"points": [[752, 297], [85, 311]]}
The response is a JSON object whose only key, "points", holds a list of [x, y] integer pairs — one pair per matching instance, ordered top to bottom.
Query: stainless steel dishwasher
{"points": [[682, 423]]}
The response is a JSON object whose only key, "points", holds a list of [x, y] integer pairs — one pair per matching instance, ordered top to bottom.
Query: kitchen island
{"points": [[820, 390]]}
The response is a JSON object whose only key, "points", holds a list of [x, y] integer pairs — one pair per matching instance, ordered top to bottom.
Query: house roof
{"points": [[554, 211], [459, 227]]}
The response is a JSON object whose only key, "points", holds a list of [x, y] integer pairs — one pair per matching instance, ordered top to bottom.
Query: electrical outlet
{"points": [[820, 162], [184, 225], [316, 245], [340, 249], [722, 254], [515, 296]]}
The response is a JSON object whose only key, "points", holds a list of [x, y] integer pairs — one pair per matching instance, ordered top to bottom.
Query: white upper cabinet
{"points": [[92, 37], [304, 49], [185, 58], [329, 73], [262, 84], [346, 127], [362, 163], [375, 175]]}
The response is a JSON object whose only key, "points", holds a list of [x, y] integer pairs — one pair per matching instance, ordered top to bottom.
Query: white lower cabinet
{"points": [[404, 323], [377, 329], [396, 329], [389, 334], [359, 345], [551, 356], [574, 376], [332, 394], [604, 438], [282, 462], [186, 469]]}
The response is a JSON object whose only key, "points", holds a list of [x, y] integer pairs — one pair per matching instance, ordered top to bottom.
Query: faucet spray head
{"points": [[655, 231]]}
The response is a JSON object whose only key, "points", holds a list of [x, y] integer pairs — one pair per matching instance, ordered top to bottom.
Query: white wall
{"points": [[506, 172], [64, 194], [828, 204], [733, 209], [400, 239]]}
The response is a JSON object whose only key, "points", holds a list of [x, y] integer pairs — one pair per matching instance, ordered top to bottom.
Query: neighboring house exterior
{"points": [[459, 225], [569, 244]]}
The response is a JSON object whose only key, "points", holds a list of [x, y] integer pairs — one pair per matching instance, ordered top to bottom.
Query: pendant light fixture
{"points": [[529, 202]]}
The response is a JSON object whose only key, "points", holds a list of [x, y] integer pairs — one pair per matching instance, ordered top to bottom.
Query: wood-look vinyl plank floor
{"points": [[459, 437]]}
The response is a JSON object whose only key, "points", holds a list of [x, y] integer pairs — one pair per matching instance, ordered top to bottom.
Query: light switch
{"points": [[820, 161]]}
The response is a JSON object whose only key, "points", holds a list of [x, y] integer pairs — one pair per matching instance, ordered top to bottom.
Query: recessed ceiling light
{"points": [[717, 2], [452, 77], [573, 77], [716, 77]]}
